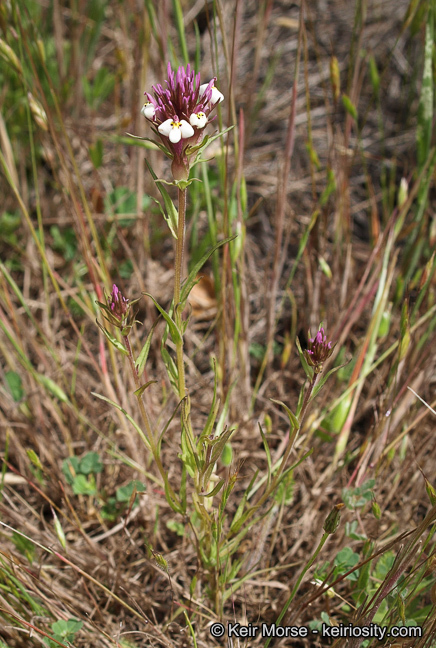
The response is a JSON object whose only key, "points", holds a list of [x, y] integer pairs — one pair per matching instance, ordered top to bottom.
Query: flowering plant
{"points": [[179, 114]]}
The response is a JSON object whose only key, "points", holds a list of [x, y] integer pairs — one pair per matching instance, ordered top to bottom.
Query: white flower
{"points": [[216, 97], [148, 110], [198, 119], [176, 130]]}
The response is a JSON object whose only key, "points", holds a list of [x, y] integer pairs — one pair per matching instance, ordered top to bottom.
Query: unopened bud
{"points": [[333, 518]]}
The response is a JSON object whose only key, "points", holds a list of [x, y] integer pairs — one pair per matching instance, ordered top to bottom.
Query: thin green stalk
{"points": [[177, 288], [144, 414], [146, 420], [281, 464], [307, 566]]}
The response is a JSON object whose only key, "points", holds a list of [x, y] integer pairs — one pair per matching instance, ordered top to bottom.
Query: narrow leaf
{"points": [[349, 106], [171, 216], [192, 277], [174, 331], [113, 340], [142, 358], [308, 370], [323, 380], [52, 387], [138, 392], [128, 417], [292, 418], [268, 454], [215, 491]]}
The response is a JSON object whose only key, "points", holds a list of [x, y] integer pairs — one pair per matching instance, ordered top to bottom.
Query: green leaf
{"points": [[374, 75], [349, 106], [207, 142], [159, 145], [96, 153], [170, 214], [126, 267], [192, 277], [174, 331], [113, 340], [142, 358], [171, 369], [307, 369], [324, 378], [15, 384], [52, 388], [138, 392], [213, 411], [128, 417], [295, 424], [219, 445], [227, 455], [268, 455], [34, 458], [90, 463], [70, 469], [83, 485], [215, 490], [124, 493], [357, 497], [111, 510], [177, 527], [59, 530], [24, 546], [346, 560], [67, 629]]}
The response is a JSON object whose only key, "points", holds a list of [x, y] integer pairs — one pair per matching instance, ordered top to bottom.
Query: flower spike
{"points": [[179, 113]]}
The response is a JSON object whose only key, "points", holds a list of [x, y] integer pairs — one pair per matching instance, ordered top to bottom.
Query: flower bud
{"points": [[118, 305], [318, 351], [333, 518]]}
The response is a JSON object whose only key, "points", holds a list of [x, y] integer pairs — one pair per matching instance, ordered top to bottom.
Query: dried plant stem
{"points": [[296, 587]]}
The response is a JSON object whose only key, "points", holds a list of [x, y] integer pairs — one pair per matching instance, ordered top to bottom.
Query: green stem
{"points": [[177, 290], [146, 420], [292, 438], [298, 583]]}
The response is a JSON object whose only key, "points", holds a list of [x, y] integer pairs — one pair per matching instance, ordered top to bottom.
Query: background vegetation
{"points": [[327, 181]]}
